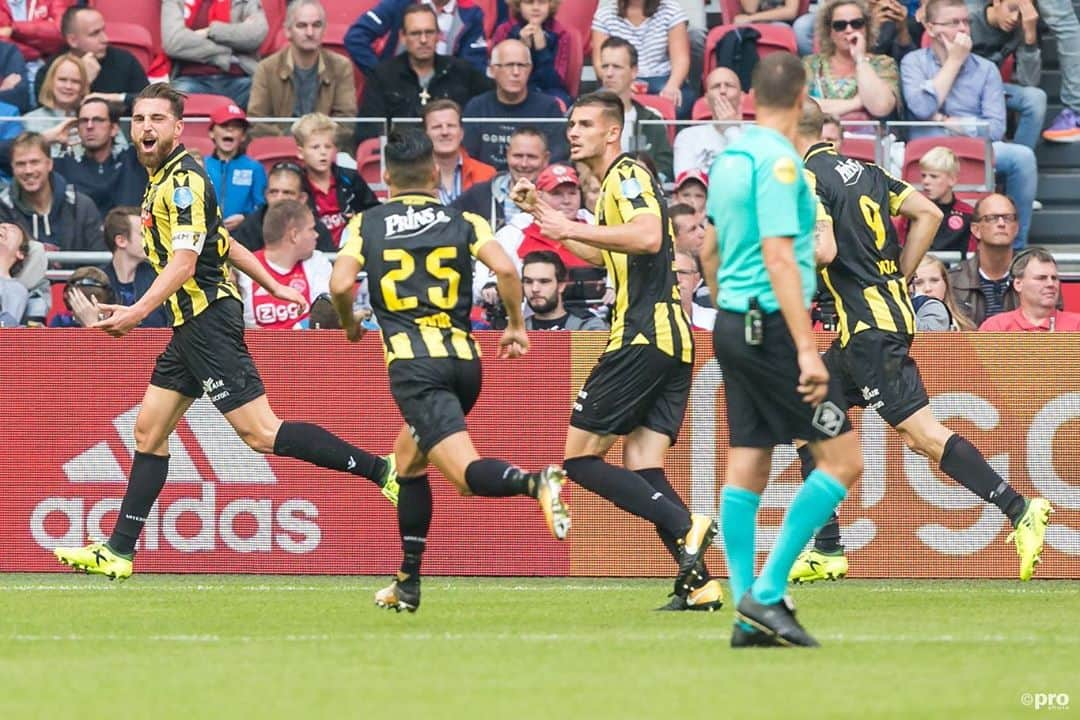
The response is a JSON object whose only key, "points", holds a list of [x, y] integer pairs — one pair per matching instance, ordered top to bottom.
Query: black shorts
{"points": [[207, 354], [877, 372], [632, 387], [434, 396], [764, 407]]}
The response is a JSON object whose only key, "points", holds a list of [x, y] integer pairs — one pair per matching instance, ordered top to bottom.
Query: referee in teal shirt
{"points": [[777, 387]]}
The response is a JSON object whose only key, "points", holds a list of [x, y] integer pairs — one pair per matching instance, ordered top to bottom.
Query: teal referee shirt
{"points": [[757, 189]]}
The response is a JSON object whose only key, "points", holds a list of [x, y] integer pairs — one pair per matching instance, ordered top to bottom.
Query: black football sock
{"points": [[321, 447], [963, 462], [148, 473], [489, 477], [659, 482], [629, 491], [414, 521], [827, 539]]}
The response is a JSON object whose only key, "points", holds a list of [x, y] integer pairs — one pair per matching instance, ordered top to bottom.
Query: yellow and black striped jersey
{"points": [[180, 212], [418, 254], [864, 279], [647, 309]]}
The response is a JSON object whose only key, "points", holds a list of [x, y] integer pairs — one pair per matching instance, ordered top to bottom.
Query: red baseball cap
{"points": [[228, 113], [691, 174], [553, 176]]}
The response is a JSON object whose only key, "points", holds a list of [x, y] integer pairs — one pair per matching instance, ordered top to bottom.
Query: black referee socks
{"points": [[321, 447], [963, 462], [148, 473], [490, 477], [629, 491], [414, 520]]}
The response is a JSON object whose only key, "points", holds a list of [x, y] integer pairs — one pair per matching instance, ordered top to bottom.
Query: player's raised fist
{"points": [[524, 194]]}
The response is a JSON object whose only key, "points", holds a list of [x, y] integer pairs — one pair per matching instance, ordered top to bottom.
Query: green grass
{"points": [[195, 647]]}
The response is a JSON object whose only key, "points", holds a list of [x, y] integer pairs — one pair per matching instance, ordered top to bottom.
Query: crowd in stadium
{"points": [[491, 82]]}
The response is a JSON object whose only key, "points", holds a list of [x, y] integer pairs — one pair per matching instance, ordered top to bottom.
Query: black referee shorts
{"points": [[207, 354], [877, 372], [635, 386], [434, 396], [764, 407]]}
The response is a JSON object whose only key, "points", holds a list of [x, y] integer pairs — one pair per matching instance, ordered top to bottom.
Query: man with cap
{"points": [[239, 181], [691, 188]]}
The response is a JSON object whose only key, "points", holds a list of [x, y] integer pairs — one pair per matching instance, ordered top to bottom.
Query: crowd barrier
{"points": [[70, 400]]}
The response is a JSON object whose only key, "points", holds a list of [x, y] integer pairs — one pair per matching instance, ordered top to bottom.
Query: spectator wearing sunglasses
{"points": [[844, 77], [285, 182], [87, 287]]}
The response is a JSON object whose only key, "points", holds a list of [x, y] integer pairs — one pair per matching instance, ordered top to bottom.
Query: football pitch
{"points": [[211, 646]]}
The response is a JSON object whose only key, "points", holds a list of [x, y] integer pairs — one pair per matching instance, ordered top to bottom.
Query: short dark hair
{"points": [[419, 7], [67, 20], [614, 43], [778, 81], [163, 91], [607, 101], [438, 106], [112, 108], [530, 131], [409, 157], [287, 167], [680, 210], [280, 217], [117, 223], [548, 257]]}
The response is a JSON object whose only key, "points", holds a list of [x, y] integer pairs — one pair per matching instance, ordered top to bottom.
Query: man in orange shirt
{"points": [[457, 171], [1035, 279]]}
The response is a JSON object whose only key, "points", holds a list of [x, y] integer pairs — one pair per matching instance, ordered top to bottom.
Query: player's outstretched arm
{"points": [[924, 217], [643, 235], [824, 243], [779, 256], [243, 260], [121, 319], [515, 341]]}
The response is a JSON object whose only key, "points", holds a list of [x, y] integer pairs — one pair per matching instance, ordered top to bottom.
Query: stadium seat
{"points": [[730, 8], [346, 12], [491, 14], [146, 15], [577, 15], [275, 20], [774, 38], [135, 39], [575, 62], [203, 104], [665, 107], [746, 107], [701, 110], [196, 137], [860, 148], [272, 149], [971, 152], [369, 161], [56, 290]]}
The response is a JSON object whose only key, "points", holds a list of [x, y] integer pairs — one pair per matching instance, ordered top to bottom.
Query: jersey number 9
{"points": [[871, 212], [444, 299]]}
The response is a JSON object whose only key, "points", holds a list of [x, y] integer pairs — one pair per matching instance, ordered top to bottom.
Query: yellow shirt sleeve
{"points": [[633, 193], [185, 203], [481, 231], [352, 241]]}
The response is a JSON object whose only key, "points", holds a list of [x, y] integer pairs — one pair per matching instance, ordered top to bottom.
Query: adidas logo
{"points": [[291, 526]]}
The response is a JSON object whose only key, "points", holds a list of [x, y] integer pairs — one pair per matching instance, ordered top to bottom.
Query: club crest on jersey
{"points": [[850, 171], [631, 188], [183, 197], [414, 222]]}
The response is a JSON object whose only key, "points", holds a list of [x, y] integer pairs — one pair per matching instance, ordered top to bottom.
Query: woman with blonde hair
{"points": [[844, 77], [62, 91], [932, 296]]}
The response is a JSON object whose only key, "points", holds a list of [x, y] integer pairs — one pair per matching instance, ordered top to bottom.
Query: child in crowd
{"points": [[533, 22], [239, 181]]}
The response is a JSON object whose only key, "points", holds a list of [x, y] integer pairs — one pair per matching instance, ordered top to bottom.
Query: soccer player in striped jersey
{"points": [[189, 248], [868, 281], [640, 386]]}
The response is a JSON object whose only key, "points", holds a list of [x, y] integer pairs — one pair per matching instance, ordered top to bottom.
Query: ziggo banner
{"points": [[70, 398]]}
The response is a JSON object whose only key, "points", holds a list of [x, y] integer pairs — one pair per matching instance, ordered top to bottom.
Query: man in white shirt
{"points": [[696, 146]]}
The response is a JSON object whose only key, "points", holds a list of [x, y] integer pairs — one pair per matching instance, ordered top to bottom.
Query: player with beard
{"points": [[189, 248], [640, 386]]}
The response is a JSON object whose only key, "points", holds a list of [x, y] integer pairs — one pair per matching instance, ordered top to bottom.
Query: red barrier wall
{"points": [[69, 400]]}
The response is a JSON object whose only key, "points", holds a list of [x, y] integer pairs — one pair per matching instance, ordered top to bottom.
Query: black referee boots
{"points": [[776, 620]]}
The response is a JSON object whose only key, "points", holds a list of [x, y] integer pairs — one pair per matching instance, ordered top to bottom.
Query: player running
{"points": [[189, 248], [418, 255], [868, 280], [640, 386]]}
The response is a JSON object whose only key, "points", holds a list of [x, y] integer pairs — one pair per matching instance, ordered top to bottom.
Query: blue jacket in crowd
{"points": [[240, 184]]}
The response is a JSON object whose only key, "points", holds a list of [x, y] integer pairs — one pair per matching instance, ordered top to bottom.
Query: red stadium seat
{"points": [[730, 8], [346, 12], [144, 14], [491, 14], [577, 15], [275, 20], [774, 38], [135, 39], [575, 62], [203, 104], [665, 107], [746, 107], [701, 110], [196, 137], [860, 148], [272, 149], [971, 152], [369, 161], [56, 290]]}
